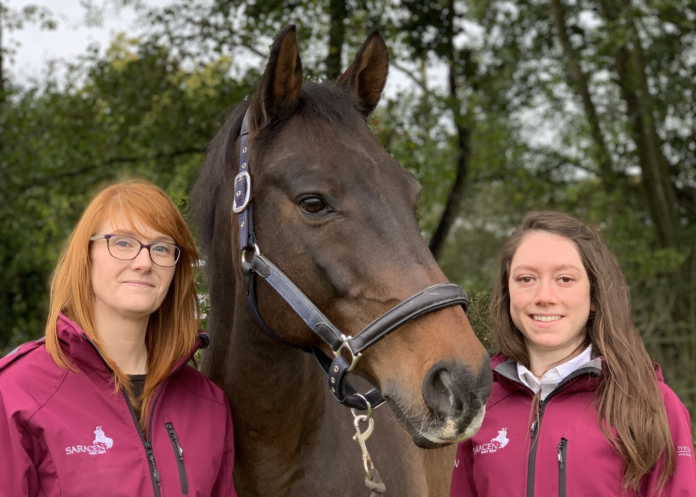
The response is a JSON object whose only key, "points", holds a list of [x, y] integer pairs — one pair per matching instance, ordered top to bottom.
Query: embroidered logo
{"points": [[100, 445], [494, 445], [683, 450]]}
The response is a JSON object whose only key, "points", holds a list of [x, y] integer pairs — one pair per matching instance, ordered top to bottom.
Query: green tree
{"points": [[583, 106], [140, 112]]}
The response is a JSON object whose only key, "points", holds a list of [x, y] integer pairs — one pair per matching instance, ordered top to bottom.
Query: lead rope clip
{"points": [[372, 479]]}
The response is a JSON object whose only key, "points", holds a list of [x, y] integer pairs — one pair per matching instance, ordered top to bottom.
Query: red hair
{"points": [[171, 329]]}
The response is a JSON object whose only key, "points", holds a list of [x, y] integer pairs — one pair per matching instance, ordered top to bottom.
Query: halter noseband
{"points": [[336, 369]]}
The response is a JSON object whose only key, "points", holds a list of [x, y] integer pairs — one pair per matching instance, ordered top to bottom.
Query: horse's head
{"points": [[337, 214]]}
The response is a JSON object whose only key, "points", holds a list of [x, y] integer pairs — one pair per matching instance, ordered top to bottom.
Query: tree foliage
{"points": [[584, 106]]}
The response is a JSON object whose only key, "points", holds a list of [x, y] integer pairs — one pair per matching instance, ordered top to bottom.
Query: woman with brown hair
{"points": [[106, 404], [577, 406]]}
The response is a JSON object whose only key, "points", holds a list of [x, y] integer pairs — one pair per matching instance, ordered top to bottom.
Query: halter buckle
{"points": [[247, 196], [346, 345]]}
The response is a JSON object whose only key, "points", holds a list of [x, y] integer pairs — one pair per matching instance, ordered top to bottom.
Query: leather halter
{"points": [[427, 300]]}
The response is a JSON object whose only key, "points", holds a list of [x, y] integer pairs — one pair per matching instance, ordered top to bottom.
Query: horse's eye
{"points": [[312, 205]]}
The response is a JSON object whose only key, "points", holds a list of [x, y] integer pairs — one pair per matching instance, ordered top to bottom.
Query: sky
{"points": [[35, 47]]}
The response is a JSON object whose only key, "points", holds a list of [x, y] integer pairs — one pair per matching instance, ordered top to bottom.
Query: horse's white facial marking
{"points": [[475, 424], [445, 429], [447, 432]]}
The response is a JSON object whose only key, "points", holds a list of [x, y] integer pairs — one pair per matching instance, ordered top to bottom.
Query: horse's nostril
{"points": [[439, 381], [451, 389], [439, 391]]}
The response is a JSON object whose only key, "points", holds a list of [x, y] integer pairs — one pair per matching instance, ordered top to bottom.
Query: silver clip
{"points": [[361, 438]]}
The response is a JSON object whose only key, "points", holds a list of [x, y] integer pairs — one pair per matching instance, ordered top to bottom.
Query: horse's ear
{"points": [[366, 76], [277, 96]]}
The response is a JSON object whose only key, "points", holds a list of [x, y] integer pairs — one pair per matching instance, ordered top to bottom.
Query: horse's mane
{"points": [[317, 103], [218, 168]]}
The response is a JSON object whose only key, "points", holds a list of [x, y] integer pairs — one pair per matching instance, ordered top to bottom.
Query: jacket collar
{"points": [[79, 347], [585, 378]]}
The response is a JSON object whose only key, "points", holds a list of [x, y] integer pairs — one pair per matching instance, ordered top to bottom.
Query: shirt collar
{"points": [[553, 376]]}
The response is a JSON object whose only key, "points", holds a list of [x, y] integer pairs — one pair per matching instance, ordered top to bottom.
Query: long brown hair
{"points": [[171, 329], [629, 397]]}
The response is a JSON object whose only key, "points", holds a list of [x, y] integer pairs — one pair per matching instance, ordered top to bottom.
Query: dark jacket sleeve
{"points": [[18, 477], [683, 482], [224, 484], [463, 484]]}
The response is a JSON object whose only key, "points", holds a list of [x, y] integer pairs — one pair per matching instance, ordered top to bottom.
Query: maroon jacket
{"points": [[67, 433], [571, 457]]}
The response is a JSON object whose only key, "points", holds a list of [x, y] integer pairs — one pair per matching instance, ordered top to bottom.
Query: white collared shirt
{"points": [[554, 376]]}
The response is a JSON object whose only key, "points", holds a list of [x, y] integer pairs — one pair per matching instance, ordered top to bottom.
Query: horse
{"points": [[338, 215]]}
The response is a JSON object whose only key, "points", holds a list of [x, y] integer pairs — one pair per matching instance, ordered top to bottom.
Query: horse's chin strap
{"points": [[336, 369]]}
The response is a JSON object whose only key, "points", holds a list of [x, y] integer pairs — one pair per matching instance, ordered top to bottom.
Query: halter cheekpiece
{"points": [[336, 369]]}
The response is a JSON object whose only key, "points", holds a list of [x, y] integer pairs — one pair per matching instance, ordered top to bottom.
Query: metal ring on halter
{"points": [[258, 252], [346, 345], [369, 407]]}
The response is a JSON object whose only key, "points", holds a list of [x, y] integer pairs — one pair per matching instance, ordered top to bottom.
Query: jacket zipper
{"points": [[536, 428], [179, 454], [531, 463], [562, 464], [154, 474]]}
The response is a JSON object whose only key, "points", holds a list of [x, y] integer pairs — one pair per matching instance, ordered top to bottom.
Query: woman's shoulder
{"points": [[30, 359], [29, 375], [197, 384], [672, 401], [673, 404]]}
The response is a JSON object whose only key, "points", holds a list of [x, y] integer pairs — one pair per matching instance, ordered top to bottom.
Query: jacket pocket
{"points": [[179, 454], [562, 466]]}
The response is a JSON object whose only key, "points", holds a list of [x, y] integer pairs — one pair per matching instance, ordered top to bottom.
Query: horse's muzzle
{"points": [[456, 398]]}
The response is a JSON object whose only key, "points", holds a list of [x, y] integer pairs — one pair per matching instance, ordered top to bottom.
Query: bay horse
{"points": [[337, 214]]}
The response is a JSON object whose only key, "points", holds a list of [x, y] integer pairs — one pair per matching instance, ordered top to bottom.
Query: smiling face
{"points": [[132, 289], [549, 295]]}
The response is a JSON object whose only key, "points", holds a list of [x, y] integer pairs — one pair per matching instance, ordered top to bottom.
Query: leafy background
{"points": [[584, 106]]}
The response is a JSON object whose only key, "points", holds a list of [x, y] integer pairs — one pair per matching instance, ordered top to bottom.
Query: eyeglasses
{"points": [[126, 248]]}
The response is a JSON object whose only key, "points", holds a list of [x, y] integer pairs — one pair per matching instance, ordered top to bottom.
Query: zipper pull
{"points": [[533, 430], [175, 439], [561, 446], [151, 458]]}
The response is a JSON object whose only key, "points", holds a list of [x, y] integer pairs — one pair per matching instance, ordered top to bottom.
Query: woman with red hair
{"points": [[106, 404]]}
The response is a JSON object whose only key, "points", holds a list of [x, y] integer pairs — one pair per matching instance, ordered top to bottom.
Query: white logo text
{"points": [[100, 445], [494, 445]]}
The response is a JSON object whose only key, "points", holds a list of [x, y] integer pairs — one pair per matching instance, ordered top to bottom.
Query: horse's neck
{"points": [[271, 371], [277, 399], [291, 437]]}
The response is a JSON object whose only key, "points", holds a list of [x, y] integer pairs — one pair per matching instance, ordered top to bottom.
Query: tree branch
{"points": [[408, 73], [582, 87], [116, 160], [454, 200]]}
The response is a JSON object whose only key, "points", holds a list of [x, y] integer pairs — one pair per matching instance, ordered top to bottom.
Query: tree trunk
{"points": [[338, 12], [580, 80], [656, 179], [454, 200]]}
